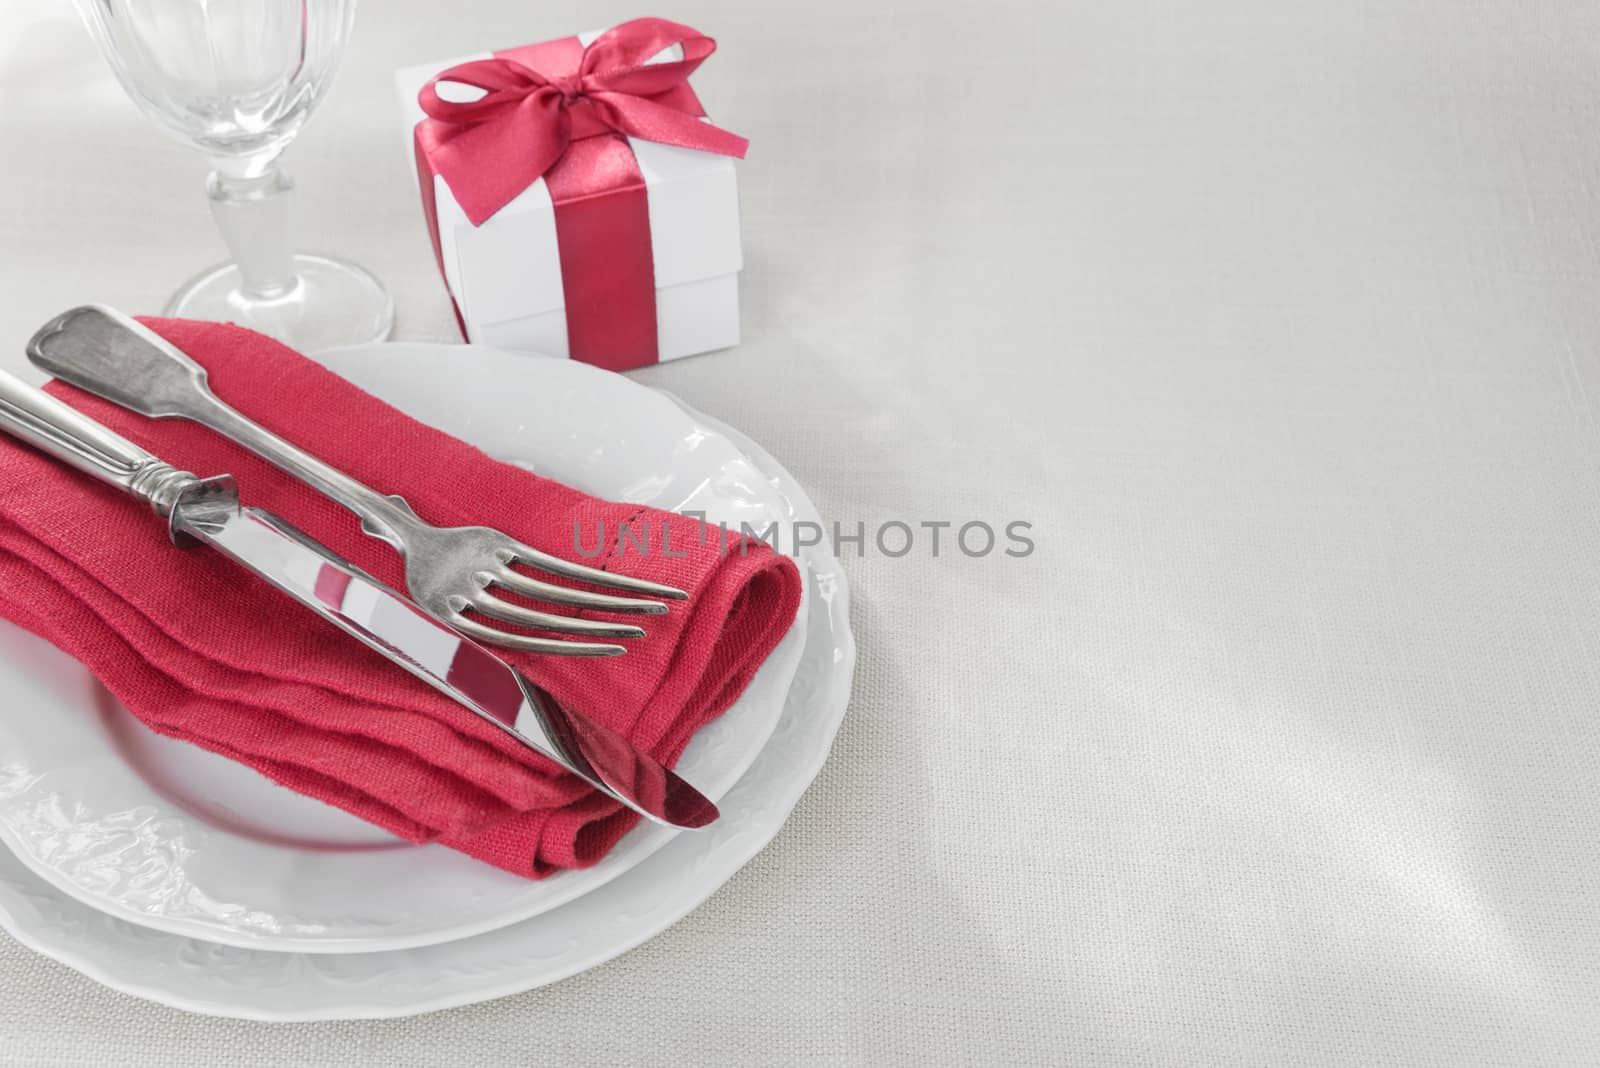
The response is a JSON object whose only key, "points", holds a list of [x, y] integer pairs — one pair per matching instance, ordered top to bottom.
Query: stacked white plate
{"points": [[178, 876]]}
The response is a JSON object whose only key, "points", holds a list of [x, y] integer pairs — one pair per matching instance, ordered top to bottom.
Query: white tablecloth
{"points": [[1281, 325]]}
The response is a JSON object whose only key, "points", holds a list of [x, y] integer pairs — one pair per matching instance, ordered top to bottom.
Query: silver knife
{"points": [[207, 511]]}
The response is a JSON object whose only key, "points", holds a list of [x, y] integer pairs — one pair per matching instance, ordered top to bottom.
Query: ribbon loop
{"points": [[619, 59], [503, 82]]}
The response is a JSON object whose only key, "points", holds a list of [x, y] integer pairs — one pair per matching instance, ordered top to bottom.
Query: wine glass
{"points": [[238, 78]]}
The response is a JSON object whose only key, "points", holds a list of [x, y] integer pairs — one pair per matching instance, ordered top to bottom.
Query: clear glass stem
{"points": [[252, 211]]}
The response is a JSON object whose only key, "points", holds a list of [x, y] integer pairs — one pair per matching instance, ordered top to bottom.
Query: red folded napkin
{"points": [[199, 650]]}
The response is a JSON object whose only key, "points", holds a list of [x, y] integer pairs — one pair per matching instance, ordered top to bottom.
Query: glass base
{"points": [[332, 303]]}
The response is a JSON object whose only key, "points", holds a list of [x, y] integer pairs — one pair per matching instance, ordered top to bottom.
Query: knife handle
{"points": [[44, 422]]}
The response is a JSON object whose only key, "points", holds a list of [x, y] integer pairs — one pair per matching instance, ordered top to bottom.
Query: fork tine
{"points": [[554, 565], [549, 591], [494, 608], [529, 644]]}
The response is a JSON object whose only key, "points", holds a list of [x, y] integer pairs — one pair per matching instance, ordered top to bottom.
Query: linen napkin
{"points": [[200, 650]]}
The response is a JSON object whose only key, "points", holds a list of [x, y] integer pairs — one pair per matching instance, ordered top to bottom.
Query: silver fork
{"points": [[450, 571]]}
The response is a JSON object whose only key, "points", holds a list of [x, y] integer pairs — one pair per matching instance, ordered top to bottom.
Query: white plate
{"points": [[168, 836], [225, 981]]}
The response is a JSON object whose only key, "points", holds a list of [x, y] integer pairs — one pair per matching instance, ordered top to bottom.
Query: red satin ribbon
{"points": [[560, 111]]}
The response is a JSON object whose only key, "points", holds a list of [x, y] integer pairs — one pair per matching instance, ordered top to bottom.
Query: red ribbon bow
{"points": [[491, 149]]}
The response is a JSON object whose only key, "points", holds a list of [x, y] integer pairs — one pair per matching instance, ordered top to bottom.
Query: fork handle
{"points": [[112, 356], [33, 416], [385, 518]]}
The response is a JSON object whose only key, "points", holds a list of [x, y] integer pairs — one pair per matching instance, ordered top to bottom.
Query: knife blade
{"points": [[208, 512]]}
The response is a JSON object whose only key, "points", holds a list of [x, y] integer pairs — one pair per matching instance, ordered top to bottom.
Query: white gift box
{"points": [[505, 275]]}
